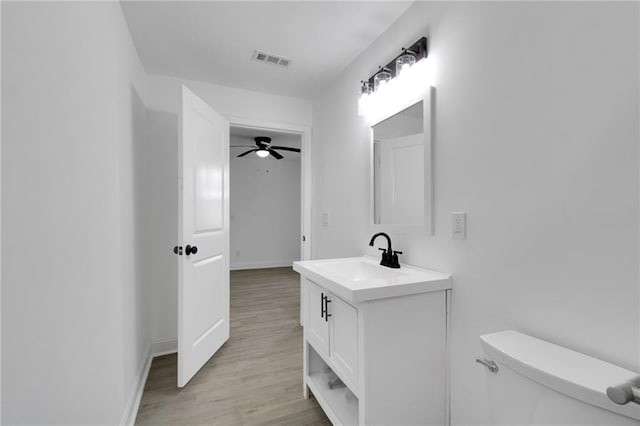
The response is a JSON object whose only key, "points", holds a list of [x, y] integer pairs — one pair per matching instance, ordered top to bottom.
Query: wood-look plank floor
{"points": [[255, 378]]}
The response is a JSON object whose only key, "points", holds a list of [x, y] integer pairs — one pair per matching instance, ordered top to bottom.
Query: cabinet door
{"points": [[316, 327], [344, 340]]}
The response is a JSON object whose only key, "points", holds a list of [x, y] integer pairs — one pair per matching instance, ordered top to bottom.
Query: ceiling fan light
{"points": [[262, 153]]}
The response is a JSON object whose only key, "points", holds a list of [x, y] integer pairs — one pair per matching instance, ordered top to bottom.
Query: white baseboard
{"points": [[259, 265], [164, 347], [158, 348], [133, 402]]}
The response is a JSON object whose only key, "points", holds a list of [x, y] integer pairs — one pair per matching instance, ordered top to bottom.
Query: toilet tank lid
{"points": [[563, 370]]}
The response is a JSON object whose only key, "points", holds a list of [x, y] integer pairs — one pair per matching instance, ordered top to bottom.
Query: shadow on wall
{"points": [[161, 223], [138, 296]]}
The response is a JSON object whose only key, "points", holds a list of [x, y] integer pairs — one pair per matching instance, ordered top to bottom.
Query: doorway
{"points": [[291, 132], [266, 198], [271, 228], [255, 377]]}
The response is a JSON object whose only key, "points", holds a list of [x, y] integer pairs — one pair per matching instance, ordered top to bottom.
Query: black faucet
{"points": [[389, 257]]}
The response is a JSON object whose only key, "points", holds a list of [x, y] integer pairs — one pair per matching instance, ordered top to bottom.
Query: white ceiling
{"points": [[214, 41]]}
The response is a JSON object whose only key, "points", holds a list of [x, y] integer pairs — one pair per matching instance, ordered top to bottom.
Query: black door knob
{"points": [[178, 250], [190, 250]]}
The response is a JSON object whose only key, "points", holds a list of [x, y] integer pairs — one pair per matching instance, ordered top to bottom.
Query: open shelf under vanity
{"points": [[338, 401]]}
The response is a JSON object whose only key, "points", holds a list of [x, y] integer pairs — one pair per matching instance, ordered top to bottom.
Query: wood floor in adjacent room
{"points": [[256, 377]]}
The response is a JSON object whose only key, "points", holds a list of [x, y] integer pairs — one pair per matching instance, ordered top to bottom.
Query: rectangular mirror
{"points": [[401, 169]]}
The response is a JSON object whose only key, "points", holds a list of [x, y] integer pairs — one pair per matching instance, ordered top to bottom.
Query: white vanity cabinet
{"points": [[333, 331], [388, 346]]}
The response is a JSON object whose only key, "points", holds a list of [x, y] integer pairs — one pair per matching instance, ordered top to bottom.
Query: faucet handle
{"points": [[386, 257], [393, 259]]}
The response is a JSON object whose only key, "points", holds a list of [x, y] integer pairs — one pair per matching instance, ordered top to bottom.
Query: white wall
{"points": [[164, 92], [163, 105], [536, 137], [265, 209], [134, 211], [0, 222], [73, 313]]}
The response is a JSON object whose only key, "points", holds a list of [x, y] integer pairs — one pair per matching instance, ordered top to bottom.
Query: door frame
{"points": [[306, 184]]}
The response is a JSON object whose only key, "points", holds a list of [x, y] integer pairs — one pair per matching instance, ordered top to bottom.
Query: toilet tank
{"points": [[540, 383]]}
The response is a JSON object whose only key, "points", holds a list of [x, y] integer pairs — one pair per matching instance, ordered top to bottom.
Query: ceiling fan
{"points": [[263, 148]]}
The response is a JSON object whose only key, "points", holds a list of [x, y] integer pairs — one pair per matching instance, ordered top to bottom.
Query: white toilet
{"points": [[539, 383]]}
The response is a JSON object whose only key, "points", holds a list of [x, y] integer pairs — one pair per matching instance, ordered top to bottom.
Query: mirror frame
{"points": [[426, 96]]}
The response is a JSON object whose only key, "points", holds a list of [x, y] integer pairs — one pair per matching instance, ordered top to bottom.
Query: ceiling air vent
{"points": [[270, 59]]}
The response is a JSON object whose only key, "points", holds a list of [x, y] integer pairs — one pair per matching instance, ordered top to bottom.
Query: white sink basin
{"points": [[359, 270], [358, 279]]}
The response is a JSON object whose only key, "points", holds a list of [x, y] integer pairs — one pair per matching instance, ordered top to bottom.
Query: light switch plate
{"points": [[459, 225]]}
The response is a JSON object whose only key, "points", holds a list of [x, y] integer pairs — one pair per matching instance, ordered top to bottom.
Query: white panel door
{"points": [[203, 295], [316, 326], [343, 342]]}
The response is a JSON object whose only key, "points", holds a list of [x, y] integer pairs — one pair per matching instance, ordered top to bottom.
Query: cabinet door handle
{"points": [[322, 305], [326, 308]]}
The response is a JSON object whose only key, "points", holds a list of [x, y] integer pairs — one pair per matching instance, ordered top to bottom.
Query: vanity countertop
{"points": [[361, 279]]}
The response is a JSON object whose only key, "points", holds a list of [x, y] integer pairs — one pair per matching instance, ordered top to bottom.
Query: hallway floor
{"points": [[256, 377]]}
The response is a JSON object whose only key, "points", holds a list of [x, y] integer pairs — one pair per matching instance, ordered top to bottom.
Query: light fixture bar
{"points": [[419, 49]]}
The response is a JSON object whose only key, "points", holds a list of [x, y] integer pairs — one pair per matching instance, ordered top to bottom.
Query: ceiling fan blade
{"points": [[286, 148], [248, 152], [275, 154]]}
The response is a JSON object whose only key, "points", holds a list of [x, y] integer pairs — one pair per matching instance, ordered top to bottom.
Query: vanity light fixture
{"points": [[396, 83]]}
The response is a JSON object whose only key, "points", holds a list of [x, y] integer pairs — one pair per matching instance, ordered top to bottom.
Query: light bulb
{"points": [[404, 62], [381, 78], [365, 89], [262, 153]]}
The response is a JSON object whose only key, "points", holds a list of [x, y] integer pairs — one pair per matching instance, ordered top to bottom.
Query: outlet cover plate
{"points": [[459, 225]]}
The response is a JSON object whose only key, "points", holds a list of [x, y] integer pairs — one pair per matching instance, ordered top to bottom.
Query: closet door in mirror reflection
{"points": [[399, 168], [401, 180]]}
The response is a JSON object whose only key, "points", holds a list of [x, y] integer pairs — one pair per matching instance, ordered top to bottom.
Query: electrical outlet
{"points": [[325, 220], [459, 225]]}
